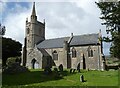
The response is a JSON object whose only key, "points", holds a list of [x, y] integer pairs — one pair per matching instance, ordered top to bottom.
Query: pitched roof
{"points": [[85, 39], [76, 40], [52, 43]]}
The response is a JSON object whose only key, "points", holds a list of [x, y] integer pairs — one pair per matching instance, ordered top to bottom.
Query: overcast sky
{"points": [[62, 18]]}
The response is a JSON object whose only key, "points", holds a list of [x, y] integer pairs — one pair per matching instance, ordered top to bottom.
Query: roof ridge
{"points": [[86, 34], [73, 36], [57, 38]]}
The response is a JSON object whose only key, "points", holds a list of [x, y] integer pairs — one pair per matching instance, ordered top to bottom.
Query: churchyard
{"points": [[39, 78]]}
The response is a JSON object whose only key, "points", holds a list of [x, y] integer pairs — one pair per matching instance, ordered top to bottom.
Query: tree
{"points": [[110, 14], [2, 30], [10, 48]]}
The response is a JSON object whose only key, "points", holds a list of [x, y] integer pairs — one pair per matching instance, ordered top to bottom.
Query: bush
{"points": [[12, 60], [14, 68]]}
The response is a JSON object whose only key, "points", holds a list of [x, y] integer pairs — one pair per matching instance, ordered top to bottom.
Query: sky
{"points": [[62, 18]]}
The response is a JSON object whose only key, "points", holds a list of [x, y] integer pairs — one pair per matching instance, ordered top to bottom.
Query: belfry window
{"points": [[73, 52], [90, 52], [55, 55]]}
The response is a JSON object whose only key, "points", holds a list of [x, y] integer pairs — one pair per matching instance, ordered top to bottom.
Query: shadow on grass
{"points": [[30, 78]]}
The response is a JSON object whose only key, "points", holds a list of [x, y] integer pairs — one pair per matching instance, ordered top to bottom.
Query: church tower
{"points": [[35, 30], [34, 34]]}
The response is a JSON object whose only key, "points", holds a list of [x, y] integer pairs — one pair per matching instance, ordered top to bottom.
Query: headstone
{"points": [[78, 67], [60, 68], [47, 70], [70, 70], [74, 70], [81, 78]]}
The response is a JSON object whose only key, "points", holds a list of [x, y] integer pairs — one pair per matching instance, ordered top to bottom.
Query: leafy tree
{"points": [[110, 14], [2, 30], [10, 48]]}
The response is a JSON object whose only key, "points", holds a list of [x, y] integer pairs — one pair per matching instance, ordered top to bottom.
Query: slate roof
{"points": [[85, 39], [76, 41]]}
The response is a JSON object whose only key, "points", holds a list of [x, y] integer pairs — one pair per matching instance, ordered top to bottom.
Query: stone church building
{"points": [[83, 51]]}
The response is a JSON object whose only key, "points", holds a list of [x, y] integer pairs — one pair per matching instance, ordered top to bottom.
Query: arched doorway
{"points": [[33, 63]]}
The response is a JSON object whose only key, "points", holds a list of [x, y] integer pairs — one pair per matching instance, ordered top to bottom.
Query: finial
{"points": [[33, 10], [26, 19], [44, 21], [99, 30], [100, 33], [71, 34]]}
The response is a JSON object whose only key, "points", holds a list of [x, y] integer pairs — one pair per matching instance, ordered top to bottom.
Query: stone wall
{"points": [[34, 54], [60, 55], [93, 63]]}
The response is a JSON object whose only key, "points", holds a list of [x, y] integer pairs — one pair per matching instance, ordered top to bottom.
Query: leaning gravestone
{"points": [[81, 78]]}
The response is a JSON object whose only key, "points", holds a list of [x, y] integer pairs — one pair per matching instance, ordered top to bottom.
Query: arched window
{"points": [[28, 30], [73, 52], [90, 52], [55, 55]]}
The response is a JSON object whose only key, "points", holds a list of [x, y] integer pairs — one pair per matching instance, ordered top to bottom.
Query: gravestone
{"points": [[78, 67], [60, 68], [47, 70], [70, 70], [74, 70], [81, 78]]}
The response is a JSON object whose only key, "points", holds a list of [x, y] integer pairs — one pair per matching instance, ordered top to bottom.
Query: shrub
{"points": [[12, 60], [14, 68]]}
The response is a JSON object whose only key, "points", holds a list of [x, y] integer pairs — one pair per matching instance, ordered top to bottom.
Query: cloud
{"points": [[67, 17], [15, 22]]}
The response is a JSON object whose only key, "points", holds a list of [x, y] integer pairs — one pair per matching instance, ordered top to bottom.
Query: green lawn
{"points": [[37, 78]]}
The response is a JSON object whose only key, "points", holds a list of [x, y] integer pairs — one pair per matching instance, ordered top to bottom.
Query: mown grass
{"points": [[37, 78]]}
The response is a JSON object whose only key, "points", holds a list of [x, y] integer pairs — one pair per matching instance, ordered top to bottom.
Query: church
{"points": [[83, 51]]}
